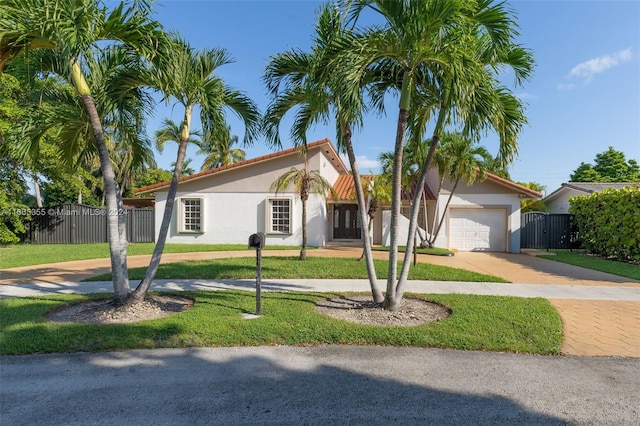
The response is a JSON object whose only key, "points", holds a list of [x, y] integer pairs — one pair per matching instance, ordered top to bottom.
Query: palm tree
{"points": [[76, 31], [409, 42], [443, 57], [188, 77], [318, 95], [170, 132], [219, 150], [131, 155], [468, 162], [187, 170], [305, 182], [378, 191], [533, 205]]}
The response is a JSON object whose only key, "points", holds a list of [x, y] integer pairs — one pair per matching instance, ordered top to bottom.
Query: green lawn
{"points": [[37, 254], [596, 263], [290, 267], [477, 323]]}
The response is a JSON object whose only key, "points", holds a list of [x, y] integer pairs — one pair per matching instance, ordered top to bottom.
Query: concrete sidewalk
{"points": [[550, 291], [600, 312]]}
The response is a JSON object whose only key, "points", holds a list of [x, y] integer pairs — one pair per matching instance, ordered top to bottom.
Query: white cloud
{"points": [[585, 71], [566, 86], [527, 96], [364, 164]]}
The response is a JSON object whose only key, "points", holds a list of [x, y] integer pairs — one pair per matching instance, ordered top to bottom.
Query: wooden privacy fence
{"points": [[81, 224], [548, 231]]}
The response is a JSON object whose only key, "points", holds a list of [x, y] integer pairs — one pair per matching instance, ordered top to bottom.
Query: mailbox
{"points": [[257, 240]]}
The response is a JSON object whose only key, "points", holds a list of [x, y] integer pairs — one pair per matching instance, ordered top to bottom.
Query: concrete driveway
{"points": [[530, 269]]}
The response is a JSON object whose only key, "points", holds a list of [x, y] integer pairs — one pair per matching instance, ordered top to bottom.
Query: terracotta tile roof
{"points": [[329, 149], [345, 187], [519, 188], [346, 190]]}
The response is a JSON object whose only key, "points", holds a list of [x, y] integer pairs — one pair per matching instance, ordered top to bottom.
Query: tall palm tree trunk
{"points": [[396, 201], [446, 206], [415, 208], [436, 219], [116, 220], [413, 222], [303, 249], [152, 269], [376, 293], [391, 302]]}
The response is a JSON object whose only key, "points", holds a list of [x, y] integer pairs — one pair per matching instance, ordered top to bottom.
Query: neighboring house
{"points": [[558, 200], [227, 204]]}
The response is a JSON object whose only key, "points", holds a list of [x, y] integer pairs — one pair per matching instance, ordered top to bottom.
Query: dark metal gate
{"points": [[81, 224], [548, 231]]}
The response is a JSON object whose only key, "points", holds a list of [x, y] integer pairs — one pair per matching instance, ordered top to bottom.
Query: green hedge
{"points": [[609, 222]]}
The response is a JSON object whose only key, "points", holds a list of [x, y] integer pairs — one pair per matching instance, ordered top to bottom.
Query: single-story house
{"points": [[558, 200], [227, 204]]}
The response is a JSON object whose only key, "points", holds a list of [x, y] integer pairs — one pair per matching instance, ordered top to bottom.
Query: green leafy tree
{"points": [[74, 32], [15, 107], [609, 166], [151, 176], [13, 185], [71, 188], [14, 214]]}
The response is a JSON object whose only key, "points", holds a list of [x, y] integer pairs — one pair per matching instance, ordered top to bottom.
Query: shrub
{"points": [[609, 222]]}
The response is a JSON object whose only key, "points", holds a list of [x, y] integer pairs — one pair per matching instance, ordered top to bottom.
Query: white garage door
{"points": [[478, 229]]}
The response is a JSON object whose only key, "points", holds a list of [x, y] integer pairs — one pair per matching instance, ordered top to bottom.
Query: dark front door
{"points": [[345, 221]]}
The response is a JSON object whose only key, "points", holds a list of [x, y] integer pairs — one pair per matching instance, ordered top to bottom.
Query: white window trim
{"points": [[181, 215], [269, 216]]}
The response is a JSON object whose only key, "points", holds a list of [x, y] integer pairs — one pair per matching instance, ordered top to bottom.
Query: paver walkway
{"points": [[597, 327]]}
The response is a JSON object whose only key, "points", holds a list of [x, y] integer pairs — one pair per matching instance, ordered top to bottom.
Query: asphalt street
{"points": [[323, 385]]}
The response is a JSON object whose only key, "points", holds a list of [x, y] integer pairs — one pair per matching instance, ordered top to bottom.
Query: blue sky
{"points": [[584, 95]]}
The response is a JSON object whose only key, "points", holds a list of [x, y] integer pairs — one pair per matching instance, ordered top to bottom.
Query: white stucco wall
{"points": [[509, 202], [560, 203], [231, 218], [403, 229]]}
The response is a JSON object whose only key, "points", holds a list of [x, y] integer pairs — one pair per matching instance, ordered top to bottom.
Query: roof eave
{"points": [[165, 185], [522, 190]]}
